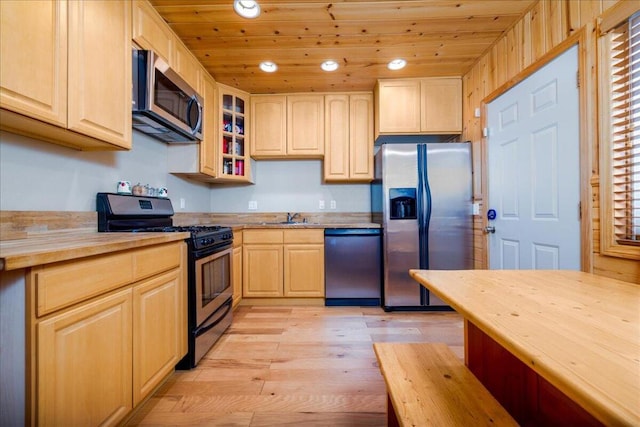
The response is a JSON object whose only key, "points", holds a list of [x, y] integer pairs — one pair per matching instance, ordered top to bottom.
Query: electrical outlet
{"points": [[183, 203], [320, 204], [333, 204], [253, 205]]}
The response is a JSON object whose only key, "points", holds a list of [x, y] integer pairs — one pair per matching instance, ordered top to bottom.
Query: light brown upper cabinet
{"points": [[151, 32], [66, 72], [441, 105], [419, 106], [305, 125], [269, 126], [287, 126], [348, 137]]}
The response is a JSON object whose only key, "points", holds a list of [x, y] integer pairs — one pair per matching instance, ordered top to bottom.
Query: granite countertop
{"points": [[44, 248]]}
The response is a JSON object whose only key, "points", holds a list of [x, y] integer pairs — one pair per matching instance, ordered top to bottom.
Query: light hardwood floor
{"points": [[311, 366]]}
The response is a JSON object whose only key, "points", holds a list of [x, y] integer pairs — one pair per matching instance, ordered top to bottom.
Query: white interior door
{"points": [[533, 157]]}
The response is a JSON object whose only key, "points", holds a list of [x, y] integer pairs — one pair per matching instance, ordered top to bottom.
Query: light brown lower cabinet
{"points": [[283, 263], [237, 267], [156, 338], [105, 347], [84, 363]]}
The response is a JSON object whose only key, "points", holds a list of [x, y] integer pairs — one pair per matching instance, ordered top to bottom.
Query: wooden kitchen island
{"points": [[553, 347]]}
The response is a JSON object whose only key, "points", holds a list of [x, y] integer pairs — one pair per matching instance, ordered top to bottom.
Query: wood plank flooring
{"points": [[279, 366]]}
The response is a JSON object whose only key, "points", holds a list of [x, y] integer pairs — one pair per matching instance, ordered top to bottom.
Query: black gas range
{"points": [[209, 266]]}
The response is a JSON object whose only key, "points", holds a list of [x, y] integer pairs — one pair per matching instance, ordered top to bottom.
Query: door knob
{"points": [[489, 229]]}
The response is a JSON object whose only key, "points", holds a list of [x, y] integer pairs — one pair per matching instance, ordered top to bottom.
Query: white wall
{"points": [[41, 176], [290, 186]]}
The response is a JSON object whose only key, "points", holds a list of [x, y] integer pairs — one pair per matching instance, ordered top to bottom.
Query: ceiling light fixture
{"points": [[246, 8], [397, 64], [329, 65], [268, 66]]}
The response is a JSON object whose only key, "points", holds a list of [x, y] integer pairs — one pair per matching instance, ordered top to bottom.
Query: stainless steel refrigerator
{"points": [[422, 197]]}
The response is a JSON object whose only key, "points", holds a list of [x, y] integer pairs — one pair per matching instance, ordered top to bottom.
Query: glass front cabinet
{"points": [[234, 149]]}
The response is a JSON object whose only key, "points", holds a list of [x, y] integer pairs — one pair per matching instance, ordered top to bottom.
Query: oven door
{"points": [[212, 283]]}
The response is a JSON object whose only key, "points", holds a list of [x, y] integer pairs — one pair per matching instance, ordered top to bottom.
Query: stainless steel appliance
{"points": [[164, 105], [422, 197], [209, 263], [353, 266]]}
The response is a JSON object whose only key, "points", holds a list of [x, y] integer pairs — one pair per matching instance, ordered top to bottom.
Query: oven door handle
{"points": [[204, 327]]}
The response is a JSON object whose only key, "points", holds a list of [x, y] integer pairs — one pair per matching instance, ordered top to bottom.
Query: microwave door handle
{"points": [[194, 100]]}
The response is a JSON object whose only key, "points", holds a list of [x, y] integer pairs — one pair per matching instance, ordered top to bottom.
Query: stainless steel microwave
{"points": [[164, 105]]}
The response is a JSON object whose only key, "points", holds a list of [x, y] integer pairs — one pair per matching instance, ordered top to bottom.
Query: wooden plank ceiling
{"points": [[436, 37]]}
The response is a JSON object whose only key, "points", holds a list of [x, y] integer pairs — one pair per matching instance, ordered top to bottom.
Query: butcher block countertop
{"points": [[307, 225], [45, 248], [579, 331]]}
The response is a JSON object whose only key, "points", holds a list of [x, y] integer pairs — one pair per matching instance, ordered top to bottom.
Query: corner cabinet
{"points": [[63, 91], [419, 106], [233, 117], [349, 139], [283, 263], [102, 339]]}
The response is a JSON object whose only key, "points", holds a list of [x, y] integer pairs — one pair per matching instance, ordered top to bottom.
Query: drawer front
{"points": [[262, 236], [304, 236], [154, 260], [63, 284]]}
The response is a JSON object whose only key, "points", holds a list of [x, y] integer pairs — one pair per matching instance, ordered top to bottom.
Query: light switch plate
{"points": [[320, 204], [333, 204], [253, 205]]}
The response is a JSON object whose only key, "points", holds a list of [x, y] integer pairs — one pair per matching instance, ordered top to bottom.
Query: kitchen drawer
{"points": [[304, 236], [262, 237], [154, 260], [62, 284]]}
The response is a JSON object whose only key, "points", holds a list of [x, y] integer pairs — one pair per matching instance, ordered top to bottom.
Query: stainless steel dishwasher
{"points": [[353, 266]]}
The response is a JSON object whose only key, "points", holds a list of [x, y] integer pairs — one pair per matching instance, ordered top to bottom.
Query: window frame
{"points": [[609, 243]]}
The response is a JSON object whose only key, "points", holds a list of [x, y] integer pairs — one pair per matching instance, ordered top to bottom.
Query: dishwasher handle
{"points": [[352, 232]]}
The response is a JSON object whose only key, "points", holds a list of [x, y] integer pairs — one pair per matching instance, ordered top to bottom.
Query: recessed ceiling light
{"points": [[247, 8], [397, 64], [329, 65], [268, 66]]}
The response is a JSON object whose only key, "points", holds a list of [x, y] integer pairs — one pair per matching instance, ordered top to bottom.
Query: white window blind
{"points": [[624, 116]]}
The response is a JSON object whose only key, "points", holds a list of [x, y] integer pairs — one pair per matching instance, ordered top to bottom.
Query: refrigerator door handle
{"points": [[424, 206]]}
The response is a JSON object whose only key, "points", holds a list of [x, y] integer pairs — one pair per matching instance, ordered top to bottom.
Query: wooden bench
{"points": [[428, 385]]}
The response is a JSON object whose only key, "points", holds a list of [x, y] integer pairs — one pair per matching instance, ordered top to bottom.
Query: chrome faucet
{"points": [[291, 217]]}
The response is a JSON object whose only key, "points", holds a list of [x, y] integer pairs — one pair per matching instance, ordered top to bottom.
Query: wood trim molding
{"points": [[616, 14]]}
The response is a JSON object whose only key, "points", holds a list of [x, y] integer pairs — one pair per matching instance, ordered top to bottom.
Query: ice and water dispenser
{"points": [[402, 203]]}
